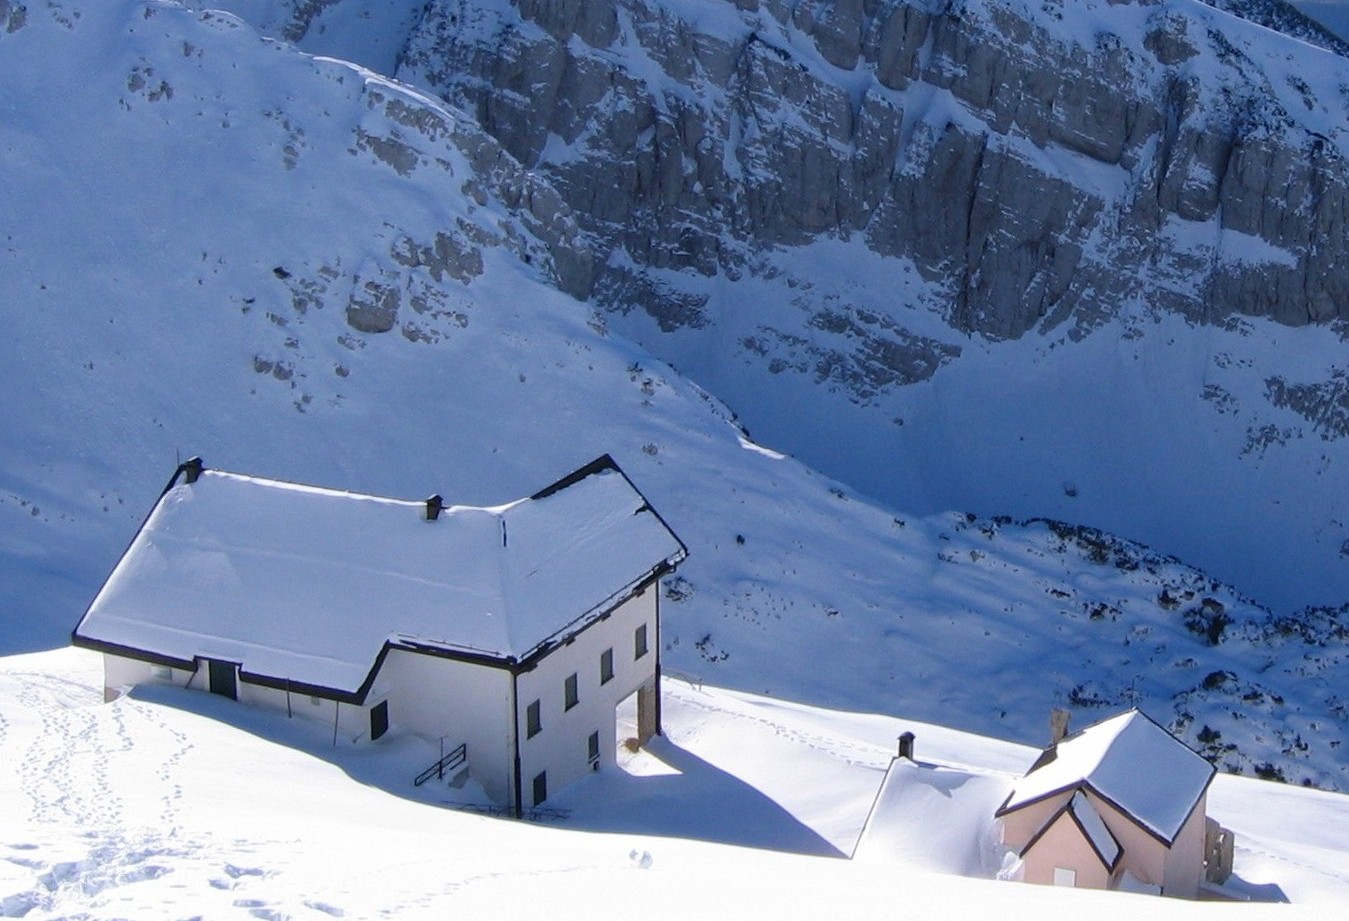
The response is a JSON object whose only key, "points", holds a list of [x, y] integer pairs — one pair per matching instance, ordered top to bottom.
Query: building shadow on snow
{"points": [[389, 764], [694, 799], [1237, 889]]}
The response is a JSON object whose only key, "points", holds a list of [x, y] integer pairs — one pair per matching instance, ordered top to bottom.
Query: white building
{"points": [[515, 631]]}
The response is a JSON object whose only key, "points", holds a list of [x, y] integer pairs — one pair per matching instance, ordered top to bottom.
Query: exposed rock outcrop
{"points": [[1038, 175]]}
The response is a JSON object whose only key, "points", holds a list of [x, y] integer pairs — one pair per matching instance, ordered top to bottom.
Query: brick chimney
{"points": [[192, 468]]}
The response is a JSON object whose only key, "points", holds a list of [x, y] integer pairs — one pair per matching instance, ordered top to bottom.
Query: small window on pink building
{"points": [[1064, 877]]}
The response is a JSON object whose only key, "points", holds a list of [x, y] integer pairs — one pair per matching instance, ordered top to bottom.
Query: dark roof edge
{"points": [[599, 465], [596, 614], [75, 637], [130, 652], [269, 681], [1086, 785], [875, 803], [1067, 807], [1077, 820]]}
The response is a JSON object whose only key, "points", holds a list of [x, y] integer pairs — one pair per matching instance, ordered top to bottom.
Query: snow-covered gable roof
{"points": [[307, 585], [1129, 761], [1102, 841]]}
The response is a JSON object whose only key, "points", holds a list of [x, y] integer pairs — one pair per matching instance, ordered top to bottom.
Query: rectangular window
{"points": [[639, 642], [606, 666], [163, 673], [570, 692], [379, 719], [533, 723], [593, 750], [540, 787], [1065, 877]]}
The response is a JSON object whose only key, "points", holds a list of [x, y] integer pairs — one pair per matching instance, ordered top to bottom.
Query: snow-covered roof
{"points": [[307, 584], [1131, 762], [933, 816], [1100, 837]]}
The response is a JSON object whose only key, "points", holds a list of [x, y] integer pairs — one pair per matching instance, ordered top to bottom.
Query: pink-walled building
{"points": [[1118, 805]]}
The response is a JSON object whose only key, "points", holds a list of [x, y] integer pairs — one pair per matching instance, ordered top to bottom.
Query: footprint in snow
{"points": [[236, 872]]}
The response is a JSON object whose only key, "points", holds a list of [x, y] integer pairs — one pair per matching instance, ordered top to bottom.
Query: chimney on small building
{"points": [[192, 468], [434, 505], [1058, 725], [906, 745]]}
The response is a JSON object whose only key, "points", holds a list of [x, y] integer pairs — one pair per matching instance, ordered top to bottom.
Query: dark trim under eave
{"points": [[130, 652], [530, 660], [358, 696], [1088, 786], [1072, 814]]}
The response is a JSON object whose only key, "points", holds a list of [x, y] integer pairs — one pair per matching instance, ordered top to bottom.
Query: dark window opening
{"points": [[639, 647], [606, 666], [570, 692], [379, 719], [533, 721], [593, 749], [540, 787]]}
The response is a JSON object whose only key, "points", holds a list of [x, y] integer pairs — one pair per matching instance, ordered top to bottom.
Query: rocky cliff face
{"points": [[1041, 163], [1011, 256]]}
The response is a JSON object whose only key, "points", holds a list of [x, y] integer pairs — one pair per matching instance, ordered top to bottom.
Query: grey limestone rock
{"points": [[13, 15], [1032, 173]]}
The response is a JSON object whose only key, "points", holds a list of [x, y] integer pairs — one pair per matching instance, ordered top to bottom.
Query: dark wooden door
{"points": [[222, 679]]}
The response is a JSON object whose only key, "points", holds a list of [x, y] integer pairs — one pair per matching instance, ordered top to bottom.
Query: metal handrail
{"points": [[447, 762]]}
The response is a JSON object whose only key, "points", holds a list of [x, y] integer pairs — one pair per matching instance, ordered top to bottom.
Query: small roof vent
{"points": [[192, 469]]}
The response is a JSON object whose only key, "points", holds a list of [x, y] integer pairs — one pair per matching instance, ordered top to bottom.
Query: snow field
{"points": [[180, 804]]}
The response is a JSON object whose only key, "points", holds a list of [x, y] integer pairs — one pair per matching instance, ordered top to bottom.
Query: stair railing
{"points": [[446, 763]]}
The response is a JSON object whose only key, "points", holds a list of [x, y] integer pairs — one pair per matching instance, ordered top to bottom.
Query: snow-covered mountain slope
{"points": [[1332, 14], [1296, 18], [833, 216], [376, 309], [181, 804]]}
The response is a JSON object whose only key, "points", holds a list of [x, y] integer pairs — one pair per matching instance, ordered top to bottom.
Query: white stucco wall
{"points": [[120, 672], [465, 702], [471, 703], [353, 722], [560, 748]]}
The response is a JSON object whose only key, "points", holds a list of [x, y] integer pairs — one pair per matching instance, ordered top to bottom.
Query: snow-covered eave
{"points": [[605, 462], [527, 660], [342, 695], [358, 695], [1087, 786], [1067, 808]]}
